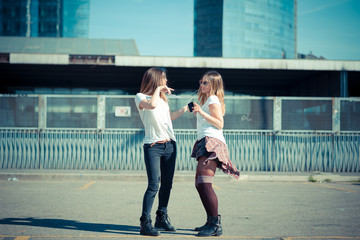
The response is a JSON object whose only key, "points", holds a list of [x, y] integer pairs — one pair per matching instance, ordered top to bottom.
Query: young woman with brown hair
{"points": [[159, 147]]}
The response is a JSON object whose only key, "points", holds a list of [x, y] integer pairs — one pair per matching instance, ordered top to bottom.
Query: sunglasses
{"points": [[205, 83]]}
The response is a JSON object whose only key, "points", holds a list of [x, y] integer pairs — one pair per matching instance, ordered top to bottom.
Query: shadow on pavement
{"points": [[72, 225]]}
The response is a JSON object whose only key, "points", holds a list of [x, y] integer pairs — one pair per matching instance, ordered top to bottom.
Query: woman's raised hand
{"points": [[165, 89]]}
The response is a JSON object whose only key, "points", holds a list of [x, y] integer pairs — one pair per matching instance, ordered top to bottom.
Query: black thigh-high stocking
{"points": [[203, 182], [207, 195]]}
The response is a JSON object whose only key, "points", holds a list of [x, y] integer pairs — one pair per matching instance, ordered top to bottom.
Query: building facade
{"points": [[45, 18], [245, 29]]}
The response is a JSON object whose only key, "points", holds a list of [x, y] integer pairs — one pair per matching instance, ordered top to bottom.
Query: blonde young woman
{"points": [[159, 147], [210, 149]]}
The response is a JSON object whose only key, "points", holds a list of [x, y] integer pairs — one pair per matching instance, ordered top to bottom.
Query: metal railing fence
{"points": [[105, 133], [122, 150]]}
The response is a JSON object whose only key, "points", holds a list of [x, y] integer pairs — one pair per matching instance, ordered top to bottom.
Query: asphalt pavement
{"points": [[41, 204]]}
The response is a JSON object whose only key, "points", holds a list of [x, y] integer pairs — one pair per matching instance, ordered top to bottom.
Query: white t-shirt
{"points": [[157, 121], [203, 127]]}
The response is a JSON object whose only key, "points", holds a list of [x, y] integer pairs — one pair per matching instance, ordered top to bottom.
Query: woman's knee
{"points": [[201, 180], [166, 185], [153, 186]]}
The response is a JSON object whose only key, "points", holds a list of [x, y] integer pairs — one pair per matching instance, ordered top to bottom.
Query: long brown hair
{"points": [[151, 80], [217, 88]]}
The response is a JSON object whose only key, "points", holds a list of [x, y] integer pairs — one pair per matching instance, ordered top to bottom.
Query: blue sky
{"points": [[329, 28]]}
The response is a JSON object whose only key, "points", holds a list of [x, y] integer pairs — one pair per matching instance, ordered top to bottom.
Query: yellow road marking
{"points": [[87, 185], [325, 186], [216, 187], [22, 238]]}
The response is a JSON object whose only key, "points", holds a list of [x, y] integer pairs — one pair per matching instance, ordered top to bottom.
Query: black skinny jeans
{"points": [[160, 167]]}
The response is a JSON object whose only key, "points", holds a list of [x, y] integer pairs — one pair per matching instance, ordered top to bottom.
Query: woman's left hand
{"points": [[197, 109]]}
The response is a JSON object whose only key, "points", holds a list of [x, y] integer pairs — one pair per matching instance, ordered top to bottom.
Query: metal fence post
{"points": [[42, 112], [101, 113], [277, 114], [336, 115], [41, 127], [277, 128]]}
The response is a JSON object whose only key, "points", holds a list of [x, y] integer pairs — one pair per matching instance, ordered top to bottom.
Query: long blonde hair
{"points": [[151, 80], [217, 88]]}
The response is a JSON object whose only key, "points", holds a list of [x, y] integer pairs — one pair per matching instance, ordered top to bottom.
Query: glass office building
{"points": [[45, 18], [76, 18], [245, 29]]}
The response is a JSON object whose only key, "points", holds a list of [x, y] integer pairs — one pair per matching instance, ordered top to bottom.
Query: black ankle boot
{"points": [[163, 221], [146, 228], [214, 228], [198, 229]]}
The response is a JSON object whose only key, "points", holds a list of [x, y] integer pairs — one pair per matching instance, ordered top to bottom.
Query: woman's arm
{"points": [[153, 102], [178, 113], [215, 117]]}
